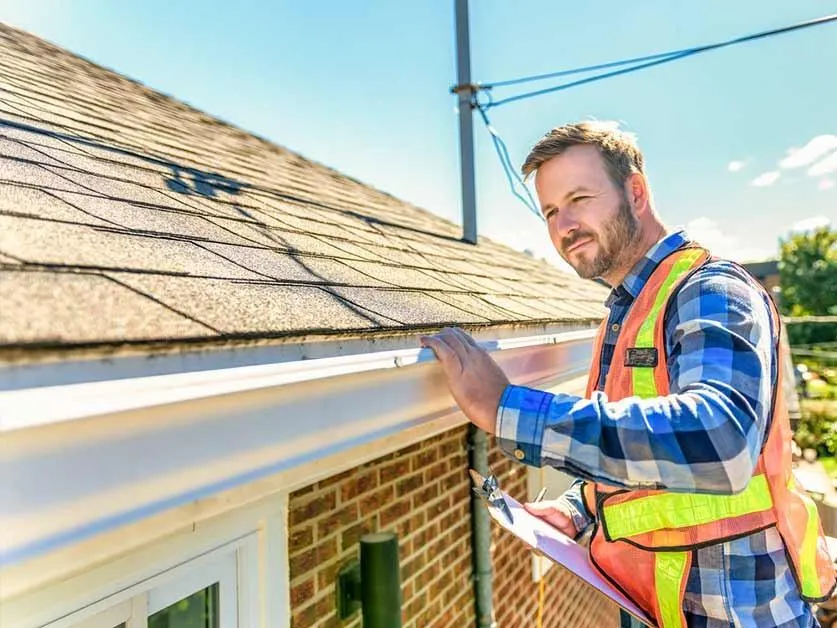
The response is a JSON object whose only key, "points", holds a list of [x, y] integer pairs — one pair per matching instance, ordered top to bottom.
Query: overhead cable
{"points": [[642, 63], [514, 179]]}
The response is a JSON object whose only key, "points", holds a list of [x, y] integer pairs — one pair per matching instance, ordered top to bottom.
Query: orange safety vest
{"points": [[643, 539]]}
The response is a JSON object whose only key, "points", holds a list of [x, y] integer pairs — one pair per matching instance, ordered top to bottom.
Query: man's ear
{"points": [[637, 192]]}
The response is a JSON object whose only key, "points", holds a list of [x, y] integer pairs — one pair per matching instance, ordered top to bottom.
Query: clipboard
{"points": [[560, 549]]}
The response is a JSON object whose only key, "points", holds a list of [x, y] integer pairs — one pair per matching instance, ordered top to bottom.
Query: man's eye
{"points": [[580, 198]]}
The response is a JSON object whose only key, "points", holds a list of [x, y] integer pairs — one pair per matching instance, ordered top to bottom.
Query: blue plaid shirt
{"points": [[703, 437]]}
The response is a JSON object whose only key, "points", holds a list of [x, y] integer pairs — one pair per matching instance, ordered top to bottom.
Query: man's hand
{"points": [[475, 380], [554, 513]]}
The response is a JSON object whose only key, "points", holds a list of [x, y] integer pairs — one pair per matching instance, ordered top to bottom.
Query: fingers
{"points": [[453, 339], [466, 339], [444, 353], [554, 514]]}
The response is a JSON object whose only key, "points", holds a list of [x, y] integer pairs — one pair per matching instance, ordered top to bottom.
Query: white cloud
{"points": [[811, 152], [826, 165], [735, 166], [766, 179], [825, 184], [810, 224], [708, 233]]}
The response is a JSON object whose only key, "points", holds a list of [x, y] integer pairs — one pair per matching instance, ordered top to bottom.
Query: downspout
{"points": [[480, 532]]}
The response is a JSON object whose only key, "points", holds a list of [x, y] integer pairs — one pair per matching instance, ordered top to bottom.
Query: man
{"points": [[682, 444]]}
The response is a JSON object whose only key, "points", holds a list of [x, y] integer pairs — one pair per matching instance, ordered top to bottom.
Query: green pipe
{"points": [[480, 532], [380, 580]]}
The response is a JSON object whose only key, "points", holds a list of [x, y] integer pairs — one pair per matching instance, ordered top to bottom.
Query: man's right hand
{"points": [[555, 513]]}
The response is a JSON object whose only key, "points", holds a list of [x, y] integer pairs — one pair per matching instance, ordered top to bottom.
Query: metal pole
{"points": [[465, 90], [480, 532]]}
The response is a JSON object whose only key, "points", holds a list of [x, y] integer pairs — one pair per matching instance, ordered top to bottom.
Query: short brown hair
{"points": [[618, 148]]}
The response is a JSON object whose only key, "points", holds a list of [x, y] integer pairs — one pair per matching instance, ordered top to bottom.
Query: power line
{"points": [[649, 61], [636, 64], [581, 70], [509, 170]]}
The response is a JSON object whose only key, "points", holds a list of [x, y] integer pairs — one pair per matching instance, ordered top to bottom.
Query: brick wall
{"points": [[422, 493], [567, 600]]}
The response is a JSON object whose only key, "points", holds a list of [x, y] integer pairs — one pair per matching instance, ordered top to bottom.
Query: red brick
{"points": [[452, 447], [425, 458], [397, 469], [435, 472], [335, 479], [454, 480], [408, 484], [357, 485], [301, 492], [426, 495], [372, 502], [311, 508], [393, 513], [340, 519], [407, 526], [350, 536], [423, 537], [300, 538], [326, 550], [303, 563], [412, 566], [327, 576], [302, 592], [416, 605], [312, 614]]}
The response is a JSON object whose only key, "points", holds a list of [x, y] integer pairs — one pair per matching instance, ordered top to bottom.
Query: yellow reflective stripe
{"points": [[643, 378], [680, 510], [808, 553], [669, 571]]}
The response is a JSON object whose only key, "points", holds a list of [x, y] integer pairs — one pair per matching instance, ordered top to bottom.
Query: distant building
{"points": [[767, 272]]}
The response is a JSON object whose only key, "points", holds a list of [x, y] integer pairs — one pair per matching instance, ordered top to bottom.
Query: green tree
{"points": [[808, 273]]}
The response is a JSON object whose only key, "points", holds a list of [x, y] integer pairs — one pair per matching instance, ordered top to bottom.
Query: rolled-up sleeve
{"points": [[705, 436]]}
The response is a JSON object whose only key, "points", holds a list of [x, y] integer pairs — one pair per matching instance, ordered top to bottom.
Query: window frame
{"points": [[245, 548]]}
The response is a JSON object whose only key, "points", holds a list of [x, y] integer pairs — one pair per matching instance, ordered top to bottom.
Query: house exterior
{"points": [[767, 272], [210, 380]]}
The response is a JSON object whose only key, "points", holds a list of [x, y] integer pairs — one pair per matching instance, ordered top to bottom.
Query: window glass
{"points": [[199, 610]]}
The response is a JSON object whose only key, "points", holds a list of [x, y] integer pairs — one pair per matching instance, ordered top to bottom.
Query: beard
{"points": [[615, 243]]}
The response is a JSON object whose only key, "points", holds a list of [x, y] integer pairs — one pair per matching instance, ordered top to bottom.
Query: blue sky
{"points": [[363, 87]]}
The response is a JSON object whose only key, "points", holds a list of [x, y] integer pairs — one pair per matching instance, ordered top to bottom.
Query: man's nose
{"points": [[565, 224]]}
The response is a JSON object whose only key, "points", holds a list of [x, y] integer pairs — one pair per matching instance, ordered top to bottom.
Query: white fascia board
{"points": [[84, 459]]}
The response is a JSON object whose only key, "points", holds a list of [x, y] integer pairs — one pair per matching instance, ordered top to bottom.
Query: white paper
{"points": [[561, 549]]}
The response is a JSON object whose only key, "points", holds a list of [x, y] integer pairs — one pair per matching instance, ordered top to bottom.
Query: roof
{"points": [[129, 218], [763, 269]]}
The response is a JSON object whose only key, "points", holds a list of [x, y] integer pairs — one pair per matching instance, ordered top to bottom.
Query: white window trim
{"points": [[245, 549], [190, 579], [114, 616]]}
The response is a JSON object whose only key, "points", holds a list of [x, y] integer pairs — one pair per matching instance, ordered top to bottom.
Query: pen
{"points": [[541, 494]]}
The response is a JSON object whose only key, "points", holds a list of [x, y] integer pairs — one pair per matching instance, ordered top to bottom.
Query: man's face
{"points": [[590, 221]]}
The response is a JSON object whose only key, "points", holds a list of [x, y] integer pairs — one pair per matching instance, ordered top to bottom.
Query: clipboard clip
{"points": [[489, 490]]}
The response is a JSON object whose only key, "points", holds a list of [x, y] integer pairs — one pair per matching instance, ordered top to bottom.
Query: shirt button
{"points": [[614, 327], [518, 453]]}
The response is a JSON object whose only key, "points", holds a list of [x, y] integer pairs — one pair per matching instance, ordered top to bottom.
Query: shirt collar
{"points": [[635, 280]]}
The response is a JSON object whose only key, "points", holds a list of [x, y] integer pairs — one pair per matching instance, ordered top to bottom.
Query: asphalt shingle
{"points": [[113, 193], [43, 242], [75, 300], [254, 308]]}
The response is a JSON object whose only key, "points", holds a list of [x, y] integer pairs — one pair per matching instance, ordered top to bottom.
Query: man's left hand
{"points": [[474, 378]]}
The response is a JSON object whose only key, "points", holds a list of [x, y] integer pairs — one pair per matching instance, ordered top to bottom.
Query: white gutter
{"points": [[82, 459]]}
